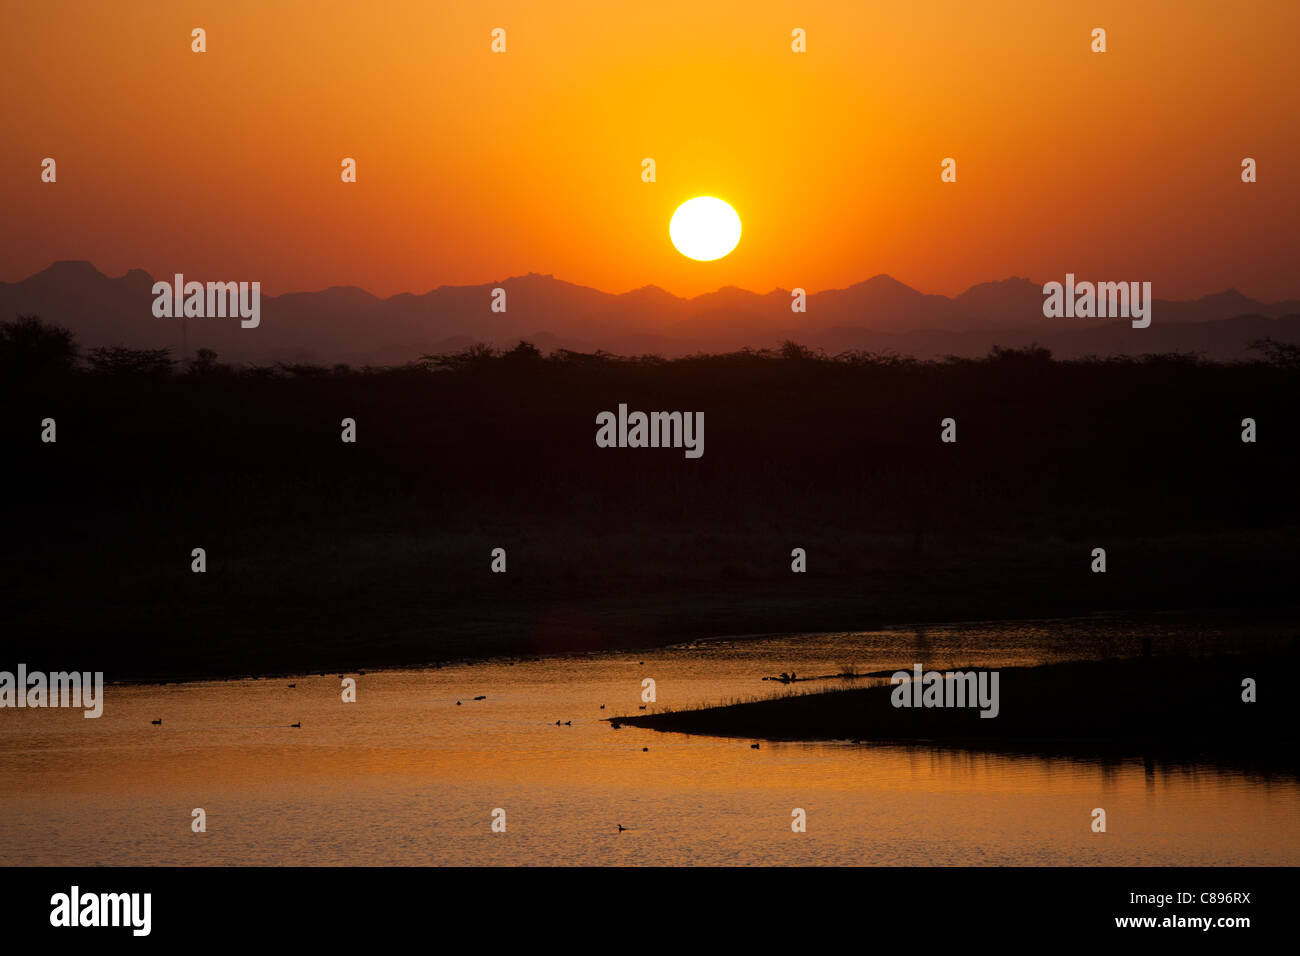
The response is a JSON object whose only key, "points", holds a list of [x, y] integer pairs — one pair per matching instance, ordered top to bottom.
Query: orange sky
{"points": [[474, 166]]}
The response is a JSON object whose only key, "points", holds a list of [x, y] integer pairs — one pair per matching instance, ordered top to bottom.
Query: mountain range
{"points": [[880, 314]]}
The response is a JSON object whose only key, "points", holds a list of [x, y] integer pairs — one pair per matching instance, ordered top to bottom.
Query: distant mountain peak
{"points": [[74, 267], [882, 279], [1003, 283], [349, 292], [651, 292], [1229, 294]]}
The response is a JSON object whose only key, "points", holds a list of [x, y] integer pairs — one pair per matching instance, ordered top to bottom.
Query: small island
{"points": [[1174, 708]]}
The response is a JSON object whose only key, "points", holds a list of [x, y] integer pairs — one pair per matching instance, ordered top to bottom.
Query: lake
{"points": [[406, 775]]}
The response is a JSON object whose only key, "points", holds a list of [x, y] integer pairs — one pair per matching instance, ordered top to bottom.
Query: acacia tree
{"points": [[29, 346], [1283, 354], [119, 360]]}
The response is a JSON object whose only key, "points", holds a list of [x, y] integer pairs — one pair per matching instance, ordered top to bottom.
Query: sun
{"points": [[704, 228]]}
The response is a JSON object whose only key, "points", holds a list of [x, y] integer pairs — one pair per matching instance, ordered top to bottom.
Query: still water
{"points": [[407, 776]]}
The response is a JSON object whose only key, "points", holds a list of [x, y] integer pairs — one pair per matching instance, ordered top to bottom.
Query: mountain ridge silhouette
{"points": [[350, 324]]}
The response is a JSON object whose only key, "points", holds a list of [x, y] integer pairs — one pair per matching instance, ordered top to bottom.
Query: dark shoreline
{"points": [[387, 657], [1176, 709]]}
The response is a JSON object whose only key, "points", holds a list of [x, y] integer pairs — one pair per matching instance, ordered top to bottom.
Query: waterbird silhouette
{"points": [[293, 685], [481, 697], [158, 721], [298, 724], [753, 746], [621, 828]]}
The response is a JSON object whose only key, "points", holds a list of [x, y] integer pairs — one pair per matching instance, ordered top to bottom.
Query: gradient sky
{"points": [[473, 167]]}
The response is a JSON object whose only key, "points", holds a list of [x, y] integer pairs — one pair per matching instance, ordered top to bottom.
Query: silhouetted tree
{"points": [[29, 346], [525, 353], [1034, 354], [1282, 354], [476, 356], [119, 360], [204, 362], [301, 369]]}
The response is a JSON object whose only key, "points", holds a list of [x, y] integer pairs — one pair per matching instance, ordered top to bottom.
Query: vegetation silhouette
{"points": [[323, 555]]}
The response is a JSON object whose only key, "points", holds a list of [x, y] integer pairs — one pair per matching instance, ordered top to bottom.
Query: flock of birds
{"points": [[558, 723]]}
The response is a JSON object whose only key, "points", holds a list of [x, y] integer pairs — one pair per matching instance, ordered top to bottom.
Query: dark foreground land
{"points": [[323, 555], [1177, 709]]}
